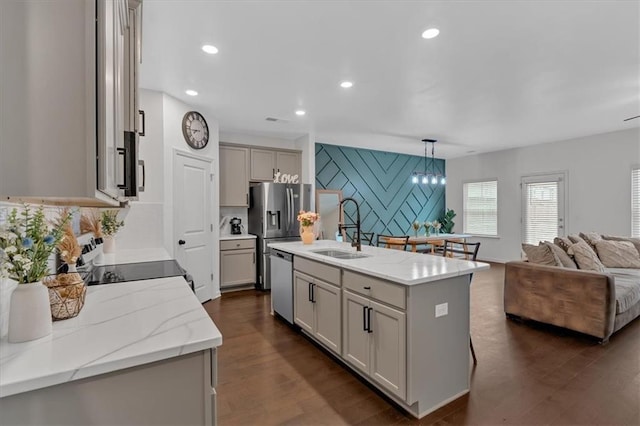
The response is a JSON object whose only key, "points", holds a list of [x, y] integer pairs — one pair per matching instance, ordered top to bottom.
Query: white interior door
{"points": [[192, 189], [543, 207]]}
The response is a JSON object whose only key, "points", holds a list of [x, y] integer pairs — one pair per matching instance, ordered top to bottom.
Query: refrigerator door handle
{"points": [[293, 203], [288, 218]]}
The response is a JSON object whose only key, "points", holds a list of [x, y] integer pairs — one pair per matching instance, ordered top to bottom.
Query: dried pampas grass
{"points": [[90, 222], [68, 246]]}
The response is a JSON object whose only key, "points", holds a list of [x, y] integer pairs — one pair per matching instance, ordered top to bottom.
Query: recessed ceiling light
{"points": [[431, 33], [212, 50], [346, 84], [191, 92], [300, 112]]}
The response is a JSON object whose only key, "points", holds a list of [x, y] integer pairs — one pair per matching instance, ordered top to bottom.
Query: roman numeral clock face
{"points": [[195, 130]]}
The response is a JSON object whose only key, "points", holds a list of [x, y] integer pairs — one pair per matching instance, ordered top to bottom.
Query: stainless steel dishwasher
{"points": [[282, 284]]}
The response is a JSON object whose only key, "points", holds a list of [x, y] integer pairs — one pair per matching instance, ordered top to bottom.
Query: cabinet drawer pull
{"points": [[367, 288]]}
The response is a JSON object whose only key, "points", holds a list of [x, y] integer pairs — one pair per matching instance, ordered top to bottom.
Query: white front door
{"points": [[192, 189], [543, 207]]}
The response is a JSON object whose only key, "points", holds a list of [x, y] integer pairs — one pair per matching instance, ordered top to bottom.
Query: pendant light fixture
{"points": [[427, 177]]}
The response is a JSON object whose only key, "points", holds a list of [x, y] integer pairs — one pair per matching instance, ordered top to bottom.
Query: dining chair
{"points": [[364, 236], [396, 242], [468, 251]]}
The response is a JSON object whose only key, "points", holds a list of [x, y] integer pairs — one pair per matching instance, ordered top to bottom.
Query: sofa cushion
{"points": [[591, 238], [634, 241], [563, 242], [540, 254], [618, 254], [561, 256], [585, 257], [627, 291]]}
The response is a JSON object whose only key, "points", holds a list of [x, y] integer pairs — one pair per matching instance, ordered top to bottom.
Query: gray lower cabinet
{"points": [[237, 262], [315, 305], [389, 333], [375, 341], [179, 390]]}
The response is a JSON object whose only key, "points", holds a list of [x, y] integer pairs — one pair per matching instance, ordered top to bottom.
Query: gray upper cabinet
{"points": [[73, 103], [266, 162], [289, 163], [263, 164], [234, 176]]}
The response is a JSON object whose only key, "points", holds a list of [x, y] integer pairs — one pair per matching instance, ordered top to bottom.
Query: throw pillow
{"points": [[591, 238], [634, 241], [563, 242], [618, 254], [540, 255], [562, 257], [585, 257]]}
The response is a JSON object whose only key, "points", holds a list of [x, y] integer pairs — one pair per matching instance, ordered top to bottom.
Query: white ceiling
{"points": [[501, 74]]}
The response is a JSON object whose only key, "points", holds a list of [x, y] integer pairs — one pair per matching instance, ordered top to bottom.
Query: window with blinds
{"points": [[635, 202], [480, 208], [540, 212]]}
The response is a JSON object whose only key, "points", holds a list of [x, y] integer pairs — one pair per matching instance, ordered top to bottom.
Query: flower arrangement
{"points": [[308, 218], [110, 223], [427, 226], [26, 242]]}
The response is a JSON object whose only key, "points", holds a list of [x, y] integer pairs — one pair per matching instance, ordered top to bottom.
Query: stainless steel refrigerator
{"points": [[273, 217]]}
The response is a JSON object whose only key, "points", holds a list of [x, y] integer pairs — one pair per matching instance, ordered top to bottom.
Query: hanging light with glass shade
{"points": [[429, 177]]}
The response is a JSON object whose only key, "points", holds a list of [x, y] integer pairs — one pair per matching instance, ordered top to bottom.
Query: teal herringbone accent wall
{"points": [[381, 183]]}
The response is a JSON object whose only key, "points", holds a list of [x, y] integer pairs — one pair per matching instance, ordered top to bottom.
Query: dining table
{"points": [[435, 240]]}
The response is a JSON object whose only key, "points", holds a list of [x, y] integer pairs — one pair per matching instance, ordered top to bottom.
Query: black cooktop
{"points": [[107, 274]]}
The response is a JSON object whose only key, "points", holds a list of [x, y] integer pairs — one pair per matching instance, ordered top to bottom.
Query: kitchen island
{"points": [[398, 319], [141, 352]]}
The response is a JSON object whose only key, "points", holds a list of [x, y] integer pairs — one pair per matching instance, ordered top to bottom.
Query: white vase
{"points": [[109, 245], [29, 313]]}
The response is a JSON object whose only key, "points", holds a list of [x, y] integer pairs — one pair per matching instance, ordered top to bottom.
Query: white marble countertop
{"points": [[236, 237], [398, 266], [121, 325]]}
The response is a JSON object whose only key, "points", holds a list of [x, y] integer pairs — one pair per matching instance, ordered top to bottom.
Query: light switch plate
{"points": [[442, 309]]}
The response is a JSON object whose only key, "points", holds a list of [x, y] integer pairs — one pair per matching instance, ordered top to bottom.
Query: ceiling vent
{"points": [[276, 120]]}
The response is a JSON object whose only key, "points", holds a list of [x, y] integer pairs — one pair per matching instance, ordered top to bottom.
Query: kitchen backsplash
{"points": [[227, 213]]}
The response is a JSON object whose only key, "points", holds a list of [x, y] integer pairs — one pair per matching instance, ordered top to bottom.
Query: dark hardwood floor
{"points": [[526, 373]]}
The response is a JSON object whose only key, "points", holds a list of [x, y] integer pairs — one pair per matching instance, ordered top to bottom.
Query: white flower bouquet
{"points": [[26, 242]]}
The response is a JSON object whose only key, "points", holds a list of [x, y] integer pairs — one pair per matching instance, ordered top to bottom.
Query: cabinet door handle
{"points": [[144, 122], [124, 153], [144, 175], [247, 194], [254, 257], [313, 293], [310, 299], [364, 318], [369, 320]]}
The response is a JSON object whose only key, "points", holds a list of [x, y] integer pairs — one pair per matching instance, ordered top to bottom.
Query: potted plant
{"points": [[447, 221], [110, 227], [26, 242]]}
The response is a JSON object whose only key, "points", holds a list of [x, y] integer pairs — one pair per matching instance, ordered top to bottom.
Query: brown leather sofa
{"points": [[583, 301]]}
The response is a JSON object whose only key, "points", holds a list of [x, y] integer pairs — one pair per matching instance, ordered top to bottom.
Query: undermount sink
{"points": [[339, 254]]}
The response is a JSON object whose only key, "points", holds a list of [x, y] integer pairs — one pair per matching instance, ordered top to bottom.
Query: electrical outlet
{"points": [[442, 309]]}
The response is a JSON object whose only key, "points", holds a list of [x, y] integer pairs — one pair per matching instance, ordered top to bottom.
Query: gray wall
{"points": [[598, 191]]}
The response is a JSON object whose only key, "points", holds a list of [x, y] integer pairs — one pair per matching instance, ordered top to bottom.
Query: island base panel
{"points": [[174, 391]]}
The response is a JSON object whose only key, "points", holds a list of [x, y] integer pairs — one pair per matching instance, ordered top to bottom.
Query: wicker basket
{"points": [[66, 295]]}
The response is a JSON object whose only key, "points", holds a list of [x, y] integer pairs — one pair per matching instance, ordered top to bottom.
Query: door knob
{"points": [[182, 242]]}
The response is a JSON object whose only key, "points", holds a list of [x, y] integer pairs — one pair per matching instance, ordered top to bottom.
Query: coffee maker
{"points": [[236, 226]]}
